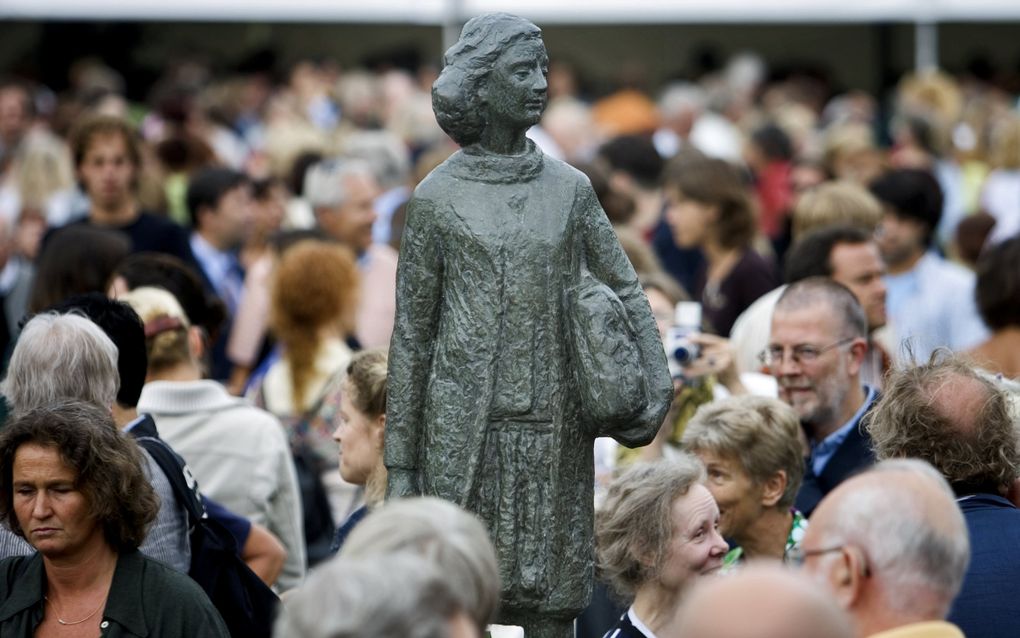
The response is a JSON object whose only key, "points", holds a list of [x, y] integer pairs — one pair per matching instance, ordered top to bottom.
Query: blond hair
{"points": [[1005, 151], [845, 203], [166, 326], [761, 434]]}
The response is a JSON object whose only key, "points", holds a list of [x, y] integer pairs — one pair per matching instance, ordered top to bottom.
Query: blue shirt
{"points": [[933, 306], [822, 451]]}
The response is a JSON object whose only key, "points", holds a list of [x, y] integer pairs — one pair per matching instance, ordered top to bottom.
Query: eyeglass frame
{"points": [[765, 356], [797, 556]]}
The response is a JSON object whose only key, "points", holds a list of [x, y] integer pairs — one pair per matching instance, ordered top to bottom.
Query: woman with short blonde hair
{"points": [[754, 457]]}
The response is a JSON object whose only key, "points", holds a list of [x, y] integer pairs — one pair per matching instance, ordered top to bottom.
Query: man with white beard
{"points": [[818, 341]]}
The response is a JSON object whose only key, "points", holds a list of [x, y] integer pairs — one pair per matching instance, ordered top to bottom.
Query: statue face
{"points": [[516, 89]]}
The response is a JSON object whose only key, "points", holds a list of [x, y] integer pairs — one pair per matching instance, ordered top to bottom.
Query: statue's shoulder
{"points": [[565, 174], [436, 185]]}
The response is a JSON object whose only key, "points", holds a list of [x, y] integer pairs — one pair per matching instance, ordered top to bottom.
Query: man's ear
{"points": [[856, 353], [773, 489], [847, 573]]}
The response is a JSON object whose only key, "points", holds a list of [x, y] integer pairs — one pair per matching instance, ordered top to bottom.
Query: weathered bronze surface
{"points": [[521, 332]]}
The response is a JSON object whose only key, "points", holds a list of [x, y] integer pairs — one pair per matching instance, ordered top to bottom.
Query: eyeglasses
{"points": [[802, 353], [797, 555]]}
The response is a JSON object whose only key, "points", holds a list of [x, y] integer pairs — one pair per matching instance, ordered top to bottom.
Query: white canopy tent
{"points": [[450, 14]]}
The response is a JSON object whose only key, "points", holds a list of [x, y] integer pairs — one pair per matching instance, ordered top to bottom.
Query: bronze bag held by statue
{"points": [[607, 361]]}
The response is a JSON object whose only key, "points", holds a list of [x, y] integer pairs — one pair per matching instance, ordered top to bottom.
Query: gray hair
{"points": [[455, 94], [682, 97], [384, 152], [325, 181], [838, 297], [60, 357], [760, 433], [635, 520], [453, 539], [915, 545], [373, 597]]}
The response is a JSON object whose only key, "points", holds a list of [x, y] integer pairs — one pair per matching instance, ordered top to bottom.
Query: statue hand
{"points": [[402, 483]]}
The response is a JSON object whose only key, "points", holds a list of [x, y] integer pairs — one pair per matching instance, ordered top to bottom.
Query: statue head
{"points": [[460, 97]]}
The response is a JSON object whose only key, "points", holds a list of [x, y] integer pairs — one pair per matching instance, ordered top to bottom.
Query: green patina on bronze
{"points": [[521, 332]]}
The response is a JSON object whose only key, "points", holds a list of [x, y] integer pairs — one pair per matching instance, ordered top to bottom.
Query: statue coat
{"points": [[482, 400]]}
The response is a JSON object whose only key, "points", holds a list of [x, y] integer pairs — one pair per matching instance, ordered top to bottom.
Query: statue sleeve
{"points": [[609, 264], [419, 286]]}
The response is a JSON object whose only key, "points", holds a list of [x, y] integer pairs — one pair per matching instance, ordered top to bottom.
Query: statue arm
{"points": [[609, 264], [419, 285]]}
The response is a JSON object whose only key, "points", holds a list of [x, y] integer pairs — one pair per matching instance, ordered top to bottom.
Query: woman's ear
{"points": [[196, 342], [774, 488]]}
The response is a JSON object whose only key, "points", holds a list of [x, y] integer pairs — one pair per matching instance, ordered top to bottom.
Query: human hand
{"points": [[716, 357]]}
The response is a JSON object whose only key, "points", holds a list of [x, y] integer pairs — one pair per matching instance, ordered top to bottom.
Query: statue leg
{"points": [[547, 628]]}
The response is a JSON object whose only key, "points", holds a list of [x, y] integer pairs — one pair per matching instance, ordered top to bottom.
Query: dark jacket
{"points": [[853, 455], [146, 598], [986, 606]]}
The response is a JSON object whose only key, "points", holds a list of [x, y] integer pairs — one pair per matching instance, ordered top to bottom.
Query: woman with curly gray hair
{"points": [[656, 533]]}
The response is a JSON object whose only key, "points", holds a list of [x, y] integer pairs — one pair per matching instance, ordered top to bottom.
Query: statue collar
{"points": [[479, 165]]}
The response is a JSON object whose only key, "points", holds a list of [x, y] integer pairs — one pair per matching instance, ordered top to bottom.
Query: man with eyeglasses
{"points": [[816, 348], [892, 547]]}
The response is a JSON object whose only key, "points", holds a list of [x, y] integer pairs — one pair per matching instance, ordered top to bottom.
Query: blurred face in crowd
{"points": [[14, 114], [106, 171], [269, 211], [690, 220], [351, 222], [227, 225], [900, 239], [859, 267], [662, 310], [816, 385], [360, 438], [738, 498], [51, 510], [696, 547]]}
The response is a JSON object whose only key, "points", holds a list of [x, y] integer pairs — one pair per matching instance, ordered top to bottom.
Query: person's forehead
{"points": [[109, 142], [846, 257], [804, 322]]}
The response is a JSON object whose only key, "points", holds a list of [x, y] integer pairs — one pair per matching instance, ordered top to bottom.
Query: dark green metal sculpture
{"points": [[521, 332]]}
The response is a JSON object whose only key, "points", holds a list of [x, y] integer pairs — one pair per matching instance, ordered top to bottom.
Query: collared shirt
{"points": [[223, 270], [933, 306], [822, 451], [146, 598], [630, 626], [930, 629]]}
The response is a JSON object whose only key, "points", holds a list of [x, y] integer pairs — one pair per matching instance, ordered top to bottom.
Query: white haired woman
{"points": [[656, 533]]}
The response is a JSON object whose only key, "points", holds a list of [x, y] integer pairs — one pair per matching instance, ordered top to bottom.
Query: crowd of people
{"points": [[200, 291]]}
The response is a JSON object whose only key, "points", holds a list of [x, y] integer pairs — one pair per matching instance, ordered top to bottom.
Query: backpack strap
{"points": [[184, 485]]}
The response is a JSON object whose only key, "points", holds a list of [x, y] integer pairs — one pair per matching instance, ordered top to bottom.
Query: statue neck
{"points": [[504, 140]]}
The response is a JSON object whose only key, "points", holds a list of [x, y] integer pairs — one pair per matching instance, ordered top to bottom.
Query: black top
{"points": [[151, 233], [752, 276], [146, 598]]}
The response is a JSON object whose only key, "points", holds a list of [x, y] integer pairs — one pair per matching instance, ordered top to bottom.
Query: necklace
{"points": [[74, 622]]}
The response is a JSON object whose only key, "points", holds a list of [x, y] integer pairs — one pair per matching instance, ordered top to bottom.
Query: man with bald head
{"points": [[817, 344], [959, 421], [892, 547], [773, 602]]}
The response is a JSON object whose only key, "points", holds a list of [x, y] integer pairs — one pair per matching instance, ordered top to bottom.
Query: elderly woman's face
{"points": [[516, 89], [738, 498], [52, 512], [696, 547]]}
